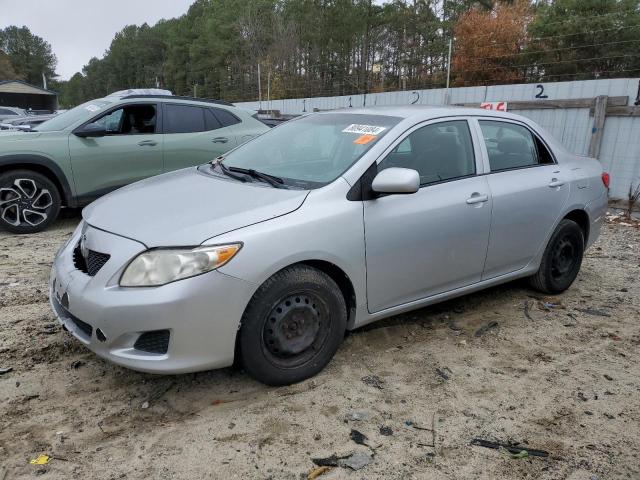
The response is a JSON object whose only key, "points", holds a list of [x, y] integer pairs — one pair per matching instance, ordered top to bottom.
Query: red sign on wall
{"points": [[499, 106]]}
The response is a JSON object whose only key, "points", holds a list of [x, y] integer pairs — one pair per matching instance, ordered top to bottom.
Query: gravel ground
{"points": [[557, 374]]}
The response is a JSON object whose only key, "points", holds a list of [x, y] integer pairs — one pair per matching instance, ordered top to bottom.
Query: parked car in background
{"points": [[8, 113], [24, 123], [77, 156], [326, 223]]}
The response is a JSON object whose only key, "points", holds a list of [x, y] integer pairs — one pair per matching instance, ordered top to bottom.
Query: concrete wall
{"points": [[620, 150]]}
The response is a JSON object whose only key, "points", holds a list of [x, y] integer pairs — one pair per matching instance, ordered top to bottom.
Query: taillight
{"points": [[605, 179]]}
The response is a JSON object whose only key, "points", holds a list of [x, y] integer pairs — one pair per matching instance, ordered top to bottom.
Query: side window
{"points": [[225, 117], [184, 119], [129, 120], [210, 120], [512, 146], [441, 151]]}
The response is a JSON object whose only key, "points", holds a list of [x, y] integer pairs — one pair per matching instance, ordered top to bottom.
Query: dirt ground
{"points": [[558, 374]]}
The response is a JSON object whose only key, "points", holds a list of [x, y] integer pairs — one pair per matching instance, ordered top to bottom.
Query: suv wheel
{"points": [[29, 201], [292, 326]]}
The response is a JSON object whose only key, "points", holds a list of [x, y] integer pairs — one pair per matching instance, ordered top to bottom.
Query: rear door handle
{"points": [[220, 140], [147, 143], [555, 183], [477, 198]]}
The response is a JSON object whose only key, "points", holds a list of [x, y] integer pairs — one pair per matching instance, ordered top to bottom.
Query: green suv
{"points": [[105, 144]]}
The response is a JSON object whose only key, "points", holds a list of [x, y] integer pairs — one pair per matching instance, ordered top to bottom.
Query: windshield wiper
{"points": [[224, 169], [272, 180]]}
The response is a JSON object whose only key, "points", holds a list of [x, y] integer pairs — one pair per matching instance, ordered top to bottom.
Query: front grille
{"points": [[92, 264], [83, 326], [156, 341]]}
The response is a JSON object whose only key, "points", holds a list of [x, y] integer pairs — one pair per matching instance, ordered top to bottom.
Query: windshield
{"points": [[62, 121], [314, 150]]}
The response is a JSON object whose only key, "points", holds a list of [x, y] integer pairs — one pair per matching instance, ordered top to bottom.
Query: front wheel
{"points": [[29, 201], [561, 260], [292, 326]]}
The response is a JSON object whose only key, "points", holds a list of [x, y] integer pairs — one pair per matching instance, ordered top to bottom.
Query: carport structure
{"points": [[16, 93]]}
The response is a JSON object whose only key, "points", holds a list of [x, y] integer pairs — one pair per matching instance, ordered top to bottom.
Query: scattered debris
{"points": [[548, 306], [526, 310], [594, 311], [572, 322], [485, 328], [77, 364], [4, 370], [444, 372], [608, 377], [373, 381], [582, 397], [218, 401], [144, 405], [356, 416], [410, 424], [386, 431], [358, 437], [511, 448], [40, 460], [331, 461], [355, 461], [316, 472]]}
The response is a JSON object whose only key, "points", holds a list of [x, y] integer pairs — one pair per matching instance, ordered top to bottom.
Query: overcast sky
{"points": [[80, 29]]}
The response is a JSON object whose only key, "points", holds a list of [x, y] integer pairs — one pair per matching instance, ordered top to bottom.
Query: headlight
{"points": [[159, 267]]}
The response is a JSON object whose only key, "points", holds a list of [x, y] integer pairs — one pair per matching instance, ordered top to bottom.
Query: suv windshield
{"points": [[62, 121], [314, 150]]}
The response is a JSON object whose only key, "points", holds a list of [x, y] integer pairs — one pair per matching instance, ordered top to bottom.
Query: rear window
{"points": [[225, 117], [183, 119]]}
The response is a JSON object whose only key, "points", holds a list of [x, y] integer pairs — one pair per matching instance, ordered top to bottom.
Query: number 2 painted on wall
{"points": [[540, 93]]}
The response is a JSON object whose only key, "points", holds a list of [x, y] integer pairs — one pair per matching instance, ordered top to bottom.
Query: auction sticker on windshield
{"points": [[364, 129]]}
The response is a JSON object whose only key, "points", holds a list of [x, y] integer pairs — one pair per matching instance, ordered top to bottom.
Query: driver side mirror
{"points": [[91, 130], [396, 180]]}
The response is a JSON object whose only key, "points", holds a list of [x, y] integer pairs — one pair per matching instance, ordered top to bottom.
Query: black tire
{"points": [[29, 201], [561, 260], [292, 326]]}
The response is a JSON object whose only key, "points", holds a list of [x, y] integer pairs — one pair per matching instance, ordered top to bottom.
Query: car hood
{"points": [[187, 207]]}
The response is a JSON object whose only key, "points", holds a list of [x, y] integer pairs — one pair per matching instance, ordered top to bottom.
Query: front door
{"points": [[130, 151], [529, 191], [434, 240]]}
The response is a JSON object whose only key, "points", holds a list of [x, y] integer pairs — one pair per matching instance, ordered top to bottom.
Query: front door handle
{"points": [[220, 140], [147, 143], [555, 183], [477, 198]]}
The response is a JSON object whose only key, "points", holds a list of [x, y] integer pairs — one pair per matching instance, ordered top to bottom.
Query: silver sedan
{"points": [[324, 224]]}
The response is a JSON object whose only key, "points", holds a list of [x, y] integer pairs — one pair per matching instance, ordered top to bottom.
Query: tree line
{"points": [[309, 48]]}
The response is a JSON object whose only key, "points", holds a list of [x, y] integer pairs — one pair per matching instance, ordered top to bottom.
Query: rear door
{"points": [[194, 135], [130, 151], [529, 190], [434, 240]]}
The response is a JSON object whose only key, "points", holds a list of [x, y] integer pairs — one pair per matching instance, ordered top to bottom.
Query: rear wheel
{"points": [[29, 201], [561, 260], [293, 326]]}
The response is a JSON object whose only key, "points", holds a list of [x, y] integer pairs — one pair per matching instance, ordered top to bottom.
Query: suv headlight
{"points": [[165, 265]]}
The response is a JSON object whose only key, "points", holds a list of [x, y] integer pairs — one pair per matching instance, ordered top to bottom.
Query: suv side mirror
{"points": [[91, 130], [396, 180]]}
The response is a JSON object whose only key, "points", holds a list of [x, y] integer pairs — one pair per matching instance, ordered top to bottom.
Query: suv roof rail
{"points": [[178, 97]]}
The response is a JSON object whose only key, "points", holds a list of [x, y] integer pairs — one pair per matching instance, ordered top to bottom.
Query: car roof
{"points": [[176, 98], [426, 112]]}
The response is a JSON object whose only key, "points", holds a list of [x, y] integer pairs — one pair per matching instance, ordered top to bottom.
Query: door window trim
{"points": [[113, 108], [534, 134], [479, 166]]}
